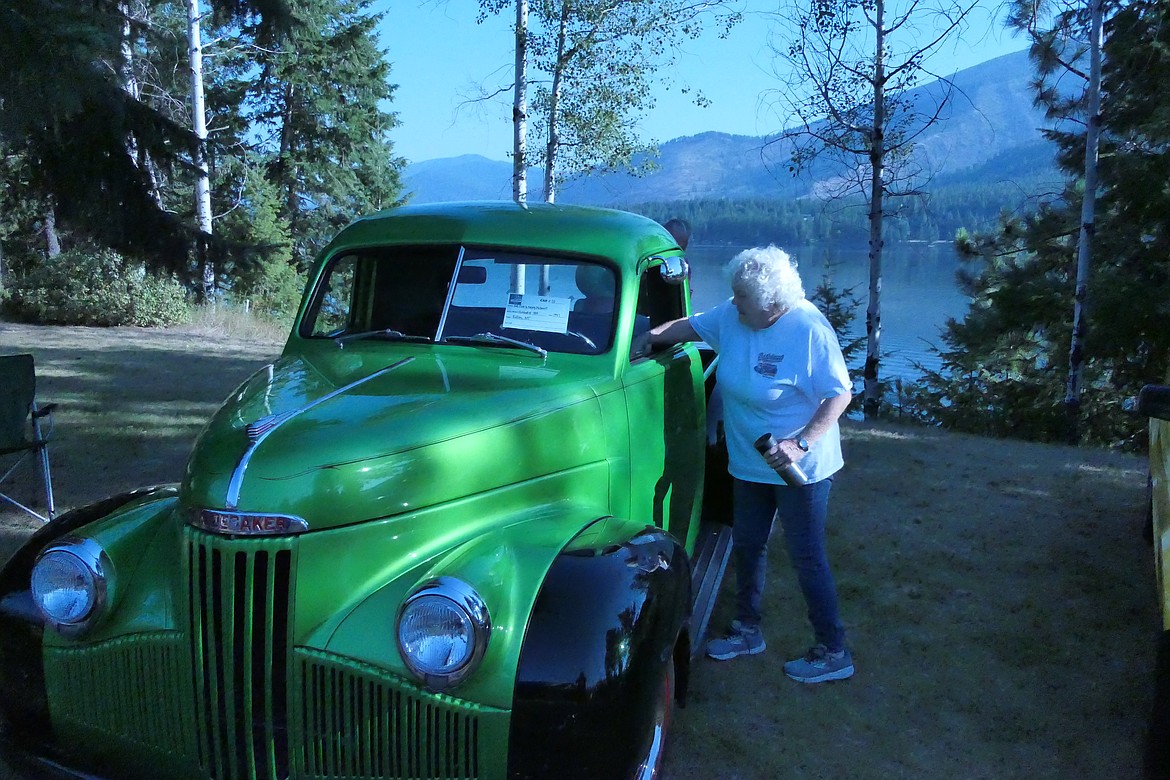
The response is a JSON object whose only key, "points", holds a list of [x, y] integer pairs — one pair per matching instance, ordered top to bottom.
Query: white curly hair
{"points": [[767, 276]]}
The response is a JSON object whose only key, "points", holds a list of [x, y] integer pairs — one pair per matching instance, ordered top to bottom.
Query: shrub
{"points": [[95, 287], [272, 287], [840, 305]]}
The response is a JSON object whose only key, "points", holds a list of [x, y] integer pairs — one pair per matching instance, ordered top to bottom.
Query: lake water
{"points": [[918, 293]]}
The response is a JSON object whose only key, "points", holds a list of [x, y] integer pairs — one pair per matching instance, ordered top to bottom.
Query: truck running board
{"points": [[712, 551]]}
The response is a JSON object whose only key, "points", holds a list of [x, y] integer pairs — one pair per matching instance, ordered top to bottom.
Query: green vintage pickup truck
{"points": [[457, 530]]}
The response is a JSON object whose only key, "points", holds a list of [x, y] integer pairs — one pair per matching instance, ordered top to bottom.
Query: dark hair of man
{"points": [[680, 229]]}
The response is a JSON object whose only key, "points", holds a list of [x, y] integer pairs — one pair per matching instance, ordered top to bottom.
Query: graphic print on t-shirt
{"points": [[766, 364]]}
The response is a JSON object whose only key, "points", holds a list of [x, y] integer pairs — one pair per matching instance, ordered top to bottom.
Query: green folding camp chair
{"points": [[24, 426]]}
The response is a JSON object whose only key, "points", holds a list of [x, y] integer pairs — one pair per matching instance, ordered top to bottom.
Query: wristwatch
{"points": [[802, 443]]}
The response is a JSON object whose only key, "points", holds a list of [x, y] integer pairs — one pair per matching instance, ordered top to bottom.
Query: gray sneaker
{"points": [[740, 641], [819, 665]]}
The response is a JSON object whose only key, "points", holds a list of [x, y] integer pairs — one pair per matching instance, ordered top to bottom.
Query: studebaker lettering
{"points": [[222, 522]]}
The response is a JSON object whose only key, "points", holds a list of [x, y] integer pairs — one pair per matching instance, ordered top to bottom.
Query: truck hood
{"points": [[355, 435]]}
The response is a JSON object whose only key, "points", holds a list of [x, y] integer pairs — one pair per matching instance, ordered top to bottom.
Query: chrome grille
{"points": [[239, 592], [127, 689], [265, 710], [357, 723]]}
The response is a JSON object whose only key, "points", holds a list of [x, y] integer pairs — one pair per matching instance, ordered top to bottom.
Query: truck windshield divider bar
{"points": [[450, 294]]}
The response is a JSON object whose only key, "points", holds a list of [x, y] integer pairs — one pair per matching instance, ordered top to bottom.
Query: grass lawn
{"points": [[998, 594]]}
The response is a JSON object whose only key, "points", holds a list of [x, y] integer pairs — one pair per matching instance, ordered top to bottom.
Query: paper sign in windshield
{"points": [[537, 312]]}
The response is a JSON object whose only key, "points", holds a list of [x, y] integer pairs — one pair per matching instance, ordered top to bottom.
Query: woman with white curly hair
{"points": [[780, 371]]}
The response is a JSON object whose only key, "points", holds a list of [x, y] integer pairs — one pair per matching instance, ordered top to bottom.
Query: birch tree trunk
{"points": [[126, 70], [520, 107], [520, 127], [554, 138], [199, 155], [52, 239], [873, 312], [1076, 353]]}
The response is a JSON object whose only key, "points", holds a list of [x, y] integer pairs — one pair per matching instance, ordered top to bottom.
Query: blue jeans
{"points": [[802, 512]]}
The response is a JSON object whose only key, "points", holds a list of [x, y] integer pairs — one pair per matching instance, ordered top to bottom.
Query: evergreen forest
{"points": [[133, 187], [935, 216], [1006, 366]]}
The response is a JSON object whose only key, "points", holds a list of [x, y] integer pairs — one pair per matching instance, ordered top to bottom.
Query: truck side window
{"points": [[658, 302]]}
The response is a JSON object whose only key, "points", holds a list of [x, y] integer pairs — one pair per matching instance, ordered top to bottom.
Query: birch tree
{"points": [[136, 18], [1067, 44], [591, 65], [846, 66], [64, 104], [520, 107], [199, 148], [1076, 353], [1006, 371]]}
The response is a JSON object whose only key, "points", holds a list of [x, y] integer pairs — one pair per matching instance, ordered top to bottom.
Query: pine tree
{"points": [[316, 99], [64, 103], [1006, 365]]}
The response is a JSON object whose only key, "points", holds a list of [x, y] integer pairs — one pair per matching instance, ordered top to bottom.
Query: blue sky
{"points": [[441, 58]]}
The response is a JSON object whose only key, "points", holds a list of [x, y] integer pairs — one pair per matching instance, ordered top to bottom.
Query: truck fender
{"points": [[15, 572], [604, 634], [21, 670]]}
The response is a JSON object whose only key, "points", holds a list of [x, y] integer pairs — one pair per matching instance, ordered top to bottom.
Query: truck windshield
{"points": [[456, 295]]}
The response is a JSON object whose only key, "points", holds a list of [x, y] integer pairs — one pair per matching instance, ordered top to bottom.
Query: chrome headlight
{"points": [[70, 583], [443, 631]]}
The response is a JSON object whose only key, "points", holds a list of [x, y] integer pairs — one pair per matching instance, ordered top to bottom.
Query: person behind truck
{"points": [[680, 231], [782, 372]]}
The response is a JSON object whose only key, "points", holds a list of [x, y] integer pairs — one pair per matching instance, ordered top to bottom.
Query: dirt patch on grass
{"points": [[130, 402], [999, 595]]}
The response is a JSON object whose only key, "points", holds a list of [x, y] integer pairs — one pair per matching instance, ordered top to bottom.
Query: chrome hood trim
{"points": [[259, 430]]}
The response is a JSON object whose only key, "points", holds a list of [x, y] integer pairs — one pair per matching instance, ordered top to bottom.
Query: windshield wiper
{"points": [[382, 333], [496, 339]]}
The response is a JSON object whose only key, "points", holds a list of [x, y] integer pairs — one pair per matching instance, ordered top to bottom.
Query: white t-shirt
{"points": [[773, 380]]}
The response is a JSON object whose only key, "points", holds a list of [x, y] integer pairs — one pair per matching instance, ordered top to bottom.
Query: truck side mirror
{"points": [[674, 270]]}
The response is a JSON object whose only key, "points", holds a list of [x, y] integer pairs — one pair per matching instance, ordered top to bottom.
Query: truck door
{"points": [[666, 410]]}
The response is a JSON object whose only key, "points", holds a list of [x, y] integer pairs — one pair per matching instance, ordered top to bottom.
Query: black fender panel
{"points": [[15, 573], [604, 628], [23, 707]]}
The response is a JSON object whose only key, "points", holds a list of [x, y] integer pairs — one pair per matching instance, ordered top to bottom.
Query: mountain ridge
{"points": [[990, 127]]}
